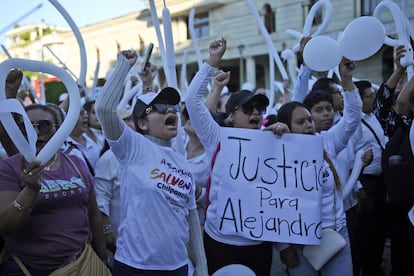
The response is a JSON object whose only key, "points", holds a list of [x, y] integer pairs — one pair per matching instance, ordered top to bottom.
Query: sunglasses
{"points": [[162, 108], [249, 108], [44, 126]]}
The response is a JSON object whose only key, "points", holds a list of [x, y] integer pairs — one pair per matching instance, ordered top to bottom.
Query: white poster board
{"points": [[270, 187]]}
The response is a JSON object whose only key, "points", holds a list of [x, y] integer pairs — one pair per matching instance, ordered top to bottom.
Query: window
{"points": [[368, 6], [269, 18], [201, 25]]}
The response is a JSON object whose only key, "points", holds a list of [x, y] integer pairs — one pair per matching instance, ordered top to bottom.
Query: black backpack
{"points": [[398, 167]]}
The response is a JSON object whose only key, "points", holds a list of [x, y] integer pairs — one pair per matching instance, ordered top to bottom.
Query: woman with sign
{"points": [[245, 110], [295, 117]]}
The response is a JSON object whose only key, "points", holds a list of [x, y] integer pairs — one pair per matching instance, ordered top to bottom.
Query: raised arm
{"points": [[399, 70], [221, 79], [302, 81], [404, 100], [107, 101], [348, 124], [206, 128]]}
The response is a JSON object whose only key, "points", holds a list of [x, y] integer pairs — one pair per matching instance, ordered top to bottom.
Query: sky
{"points": [[83, 12]]}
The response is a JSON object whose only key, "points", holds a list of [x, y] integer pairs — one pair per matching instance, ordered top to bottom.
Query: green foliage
{"points": [[47, 31], [25, 36], [31, 75], [53, 90]]}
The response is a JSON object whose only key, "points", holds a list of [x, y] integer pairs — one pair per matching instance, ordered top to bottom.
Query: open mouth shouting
{"points": [[171, 120], [255, 122]]}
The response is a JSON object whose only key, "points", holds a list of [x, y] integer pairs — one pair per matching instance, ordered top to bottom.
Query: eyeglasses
{"points": [[162, 108], [249, 108], [44, 126]]}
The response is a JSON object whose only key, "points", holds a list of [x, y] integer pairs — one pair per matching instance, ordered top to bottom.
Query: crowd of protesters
{"points": [[121, 193]]}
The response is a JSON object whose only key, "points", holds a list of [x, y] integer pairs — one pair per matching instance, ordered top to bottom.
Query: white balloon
{"points": [[311, 16], [309, 22], [404, 31], [78, 36], [194, 37], [362, 38], [268, 39], [322, 53], [287, 54], [13, 105], [27, 149], [356, 171], [234, 269]]}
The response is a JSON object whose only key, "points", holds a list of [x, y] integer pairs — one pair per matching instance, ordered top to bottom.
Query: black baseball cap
{"points": [[167, 95], [242, 97]]}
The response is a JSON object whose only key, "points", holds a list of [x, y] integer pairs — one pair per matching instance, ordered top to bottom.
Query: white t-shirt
{"points": [[91, 150], [157, 189]]}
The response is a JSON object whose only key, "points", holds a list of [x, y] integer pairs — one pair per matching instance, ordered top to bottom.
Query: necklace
{"points": [[51, 163]]}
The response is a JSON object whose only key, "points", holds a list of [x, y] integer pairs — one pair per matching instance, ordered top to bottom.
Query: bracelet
{"points": [[352, 89], [18, 206], [107, 229]]}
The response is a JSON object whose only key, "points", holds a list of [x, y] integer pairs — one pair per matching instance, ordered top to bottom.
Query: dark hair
{"points": [[324, 84], [362, 85], [316, 96], [88, 105], [46, 108], [184, 112], [59, 113], [284, 114], [216, 116], [271, 119]]}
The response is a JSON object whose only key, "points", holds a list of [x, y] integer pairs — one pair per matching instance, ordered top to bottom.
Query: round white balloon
{"points": [[362, 38], [322, 53], [234, 269]]}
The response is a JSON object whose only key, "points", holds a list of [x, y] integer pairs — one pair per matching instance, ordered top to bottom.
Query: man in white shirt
{"points": [[372, 213]]}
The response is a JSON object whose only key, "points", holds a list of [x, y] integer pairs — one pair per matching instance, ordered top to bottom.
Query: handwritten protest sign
{"points": [[270, 192]]}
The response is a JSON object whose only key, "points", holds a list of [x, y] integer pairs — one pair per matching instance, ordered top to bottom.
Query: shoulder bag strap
{"points": [[373, 132], [72, 146], [76, 168], [337, 182], [21, 265]]}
